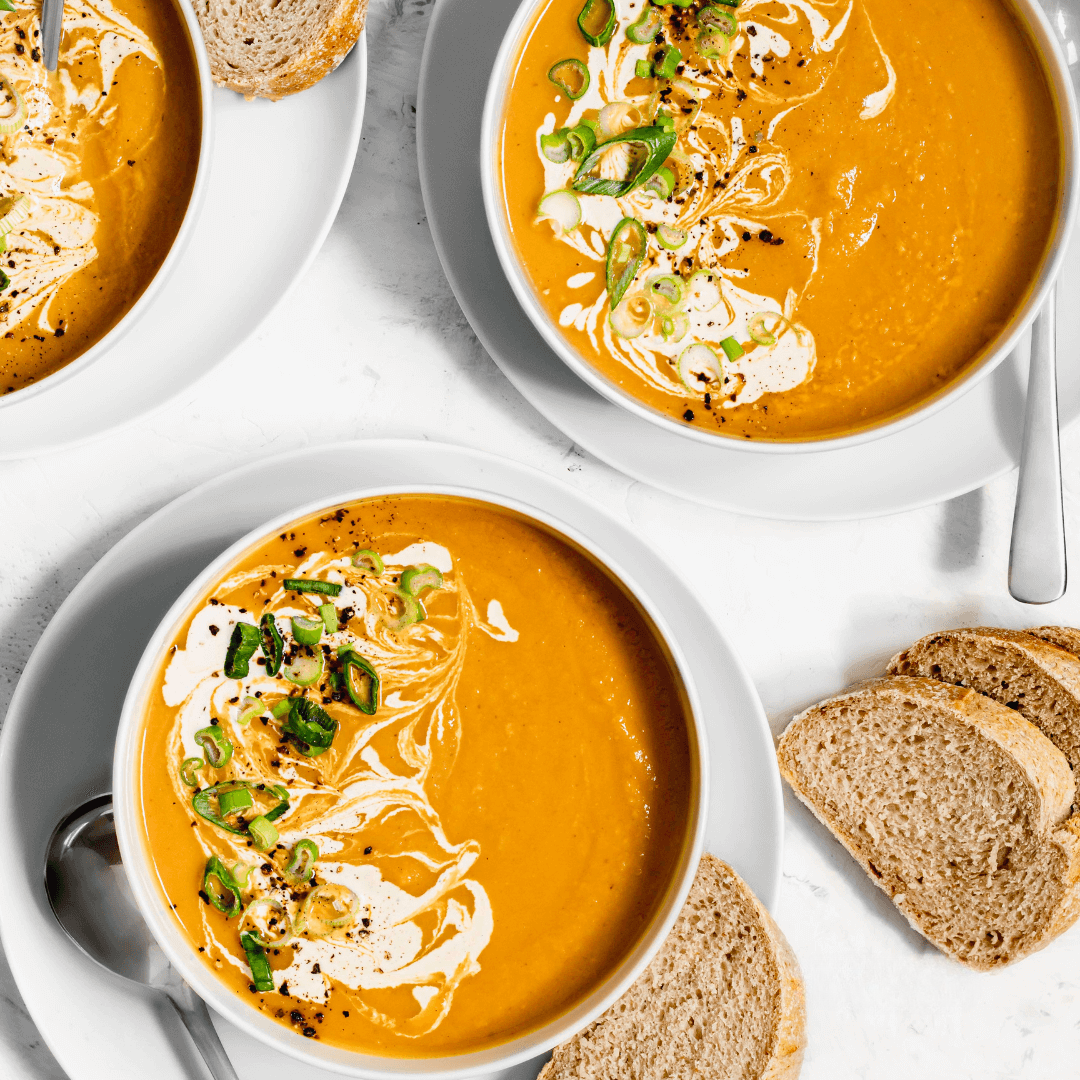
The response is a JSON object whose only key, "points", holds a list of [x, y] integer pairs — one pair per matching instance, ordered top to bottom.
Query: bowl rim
{"points": [[1055, 65], [180, 242], [136, 857]]}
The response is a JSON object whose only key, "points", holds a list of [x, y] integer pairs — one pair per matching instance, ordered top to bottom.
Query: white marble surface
{"points": [[811, 607]]}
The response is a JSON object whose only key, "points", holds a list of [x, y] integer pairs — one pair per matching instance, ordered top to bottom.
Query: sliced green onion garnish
{"points": [[674, 3], [730, 3], [6, 5], [715, 20], [597, 22], [646, 28], [712, 46], [668, 63], [643, 69], [571, 77], [663, 120], [10, 123], [582, 139], [556, 146], [650, 147], [662, 182], [561, 207], [670, 238], [626, 250], [668, 287], [702, 291], [632, 317], [675, 325], [758, 326], [732, 349], [699, 368], [368, 560], [416, 580], [310, 585], [412, 611], [329, 616], [307, 631], [271, 643], [242, 645], [304, 670], [361, 681], [250, 707], [281, 708], [311, 727], [216, 746], [188, 769], [229, 802], [206, 803], [262, 833], [302, 864], [241, 873], [220, 888], [329, 907], [277, 928], [261, 976]]}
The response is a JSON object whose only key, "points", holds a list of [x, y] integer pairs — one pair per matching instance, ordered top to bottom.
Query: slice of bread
{"points": [[272, 48], [1065, 637], [1040, 680], [955, 806], [722, 999]]}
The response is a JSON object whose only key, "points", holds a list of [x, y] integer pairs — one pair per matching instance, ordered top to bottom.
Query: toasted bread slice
{"points": [[272, 48], [1064, 637], [1040, 680], [955, 806], [723, 999]]}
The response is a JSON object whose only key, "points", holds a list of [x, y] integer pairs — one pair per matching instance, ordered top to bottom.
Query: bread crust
{"points": [[302, 70], [1043, 763]]}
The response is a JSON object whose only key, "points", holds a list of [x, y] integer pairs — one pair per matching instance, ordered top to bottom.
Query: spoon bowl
{"points": [[89, 894]]}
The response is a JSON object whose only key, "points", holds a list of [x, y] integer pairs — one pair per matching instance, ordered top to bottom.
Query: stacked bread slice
{"points": [[951, 782], [722, 999]]}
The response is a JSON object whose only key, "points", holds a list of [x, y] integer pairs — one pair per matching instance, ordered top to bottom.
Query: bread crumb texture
{"points": [[272, 48], [954, 805], [723, 999]]}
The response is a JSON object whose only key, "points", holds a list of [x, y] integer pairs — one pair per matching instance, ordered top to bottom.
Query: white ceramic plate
{"points": [[278, 171], [959, 448], [56, 746]]}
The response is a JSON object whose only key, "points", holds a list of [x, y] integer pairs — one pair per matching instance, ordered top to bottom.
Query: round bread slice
{"points": [[272, 48], [1064, 637], [1039, 680], [955, 806], [723, 999]]}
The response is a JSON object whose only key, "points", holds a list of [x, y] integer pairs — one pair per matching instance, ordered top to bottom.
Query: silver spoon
{"points": [[52, 25], [1037, 565], [92, 901]]}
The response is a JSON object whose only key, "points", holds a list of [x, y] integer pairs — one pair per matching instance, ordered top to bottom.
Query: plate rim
{"points": [[351, 146], [22, 894]]}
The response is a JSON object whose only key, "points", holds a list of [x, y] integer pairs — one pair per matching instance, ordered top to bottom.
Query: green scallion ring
{"points": [[597, 22], [646, 28], [571, 76], [556, 146], [368, 560], [307, 631], [271, 643], [242, 645], [361, 681], [216, 746], [188, 768], [262, 833], [302, 864], [220, 887]]}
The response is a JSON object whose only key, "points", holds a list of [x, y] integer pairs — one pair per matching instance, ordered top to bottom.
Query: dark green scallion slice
{"points": [[730, 3], [6, 5], [714, 20], [597, 22], [646, 28], [667, 62], [571, 77], [582, 139], [651, 147], [662, 182], [626, 250], [5, 281], [368, 560], [418, 579], [310, 585], [412, 611], [271, 643], [242, 645], [361, 681], [281, 708], [311, 727], [217, 749], [188, 768], [229, 802], [207, 803], [262, 833], [220, 887], [261, 976]]}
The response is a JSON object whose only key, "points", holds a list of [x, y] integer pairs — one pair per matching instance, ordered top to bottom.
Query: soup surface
{"points": [[97, 168], [833, 208], [494, 827]]}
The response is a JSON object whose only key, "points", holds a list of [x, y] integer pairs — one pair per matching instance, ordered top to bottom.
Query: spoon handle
{"points": [[1037, 567], [196, 1017]]}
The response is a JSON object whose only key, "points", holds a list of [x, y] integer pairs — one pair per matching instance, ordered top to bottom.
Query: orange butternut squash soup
{"points": [[97, 165], [785, 220], [416, 776]]}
